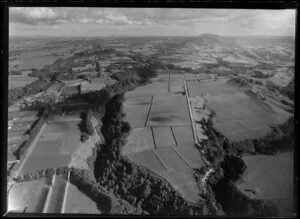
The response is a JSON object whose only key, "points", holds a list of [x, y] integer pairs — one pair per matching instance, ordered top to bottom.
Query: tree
{"points": [[234, 168]]}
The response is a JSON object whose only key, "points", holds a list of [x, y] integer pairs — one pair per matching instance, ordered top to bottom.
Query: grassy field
{"points": [[192, 77], [19, 81], [176, 83], [158, 85], [136, 109], [169, 110], [23, 114], [239, 115], [183, 134], [163, 137], [139, 140], [165, 145], [54, 148], [148, 159], [271, 177], [30, 195], [78, 203]]}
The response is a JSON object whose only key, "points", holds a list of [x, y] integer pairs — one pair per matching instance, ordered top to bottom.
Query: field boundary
{"points": [[190, 110], [148, 114], [173, 135], [153, 137], [181, 157], [165, 166], [46, 205], [63, 207]]}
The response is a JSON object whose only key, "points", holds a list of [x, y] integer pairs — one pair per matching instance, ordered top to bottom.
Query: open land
{"points": [[238, 79], [162, 137], [271, 177], [28, 196]]}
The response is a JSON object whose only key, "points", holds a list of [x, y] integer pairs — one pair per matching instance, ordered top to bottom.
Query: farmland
{"points": [[19, 81], [206, 87], [239, 113], [162, 137], [54, 146], [271, 177], [28, 196], [57, 196], [79, 203]]}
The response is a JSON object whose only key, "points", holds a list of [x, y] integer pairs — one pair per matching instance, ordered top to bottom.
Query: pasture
{"points": [[15, 81], [169, 110], [239, 114], [162, 136], [54, 147], [271, 177], [29, 196], [57, 196], [79, 203]]}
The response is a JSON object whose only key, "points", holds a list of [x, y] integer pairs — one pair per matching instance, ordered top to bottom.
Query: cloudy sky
{"points": [[148, 21]]}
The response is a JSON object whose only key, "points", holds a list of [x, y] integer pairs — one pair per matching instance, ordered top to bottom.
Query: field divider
{"points": [[169, 82], [190, 111], [148, 114], [173, 135], [153, 137], [182, 157], [165, 166], [47, 202], [63, 207]]}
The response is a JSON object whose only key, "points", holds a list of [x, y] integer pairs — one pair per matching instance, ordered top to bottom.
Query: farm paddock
{"points": [[239, 115], [54, 146], [271, 177], [28, 196], [79, 203]]}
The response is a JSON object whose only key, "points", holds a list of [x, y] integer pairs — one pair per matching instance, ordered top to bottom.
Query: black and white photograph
{"points": [[151, 111]]}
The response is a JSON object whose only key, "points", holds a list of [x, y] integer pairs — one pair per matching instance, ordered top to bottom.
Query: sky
{"points": [[84, 22]]}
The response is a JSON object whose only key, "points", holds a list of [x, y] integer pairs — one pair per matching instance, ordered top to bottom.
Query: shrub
{"points": [[234, 168]]}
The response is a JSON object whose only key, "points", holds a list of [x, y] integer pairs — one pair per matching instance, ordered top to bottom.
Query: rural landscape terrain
{"points": [[200, 125]]}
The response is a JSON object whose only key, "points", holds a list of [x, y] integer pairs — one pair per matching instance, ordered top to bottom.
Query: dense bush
{"points": [[29, 89], [86, 126], [114, 129], [234, 168], [137, 185], [142, 188], [105, 200], [235, 203]]}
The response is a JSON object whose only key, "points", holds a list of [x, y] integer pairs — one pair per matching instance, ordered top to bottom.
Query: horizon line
{"points": [[121, 36]]}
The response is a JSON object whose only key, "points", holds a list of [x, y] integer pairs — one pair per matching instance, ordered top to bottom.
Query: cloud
{"points": [[33, 16], [53, 16]]}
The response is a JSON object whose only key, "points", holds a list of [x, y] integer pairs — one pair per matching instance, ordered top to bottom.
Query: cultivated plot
{"points": [[192, 77], [15, 81], [176, 83], [158, 85], [137, 110], [169, 110], [239, 116], [183, 134], [163, 137], [140, 139], [148, 159], [35, 163], [184, 182], [57, 195], [28, 196], [79, 203]]}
